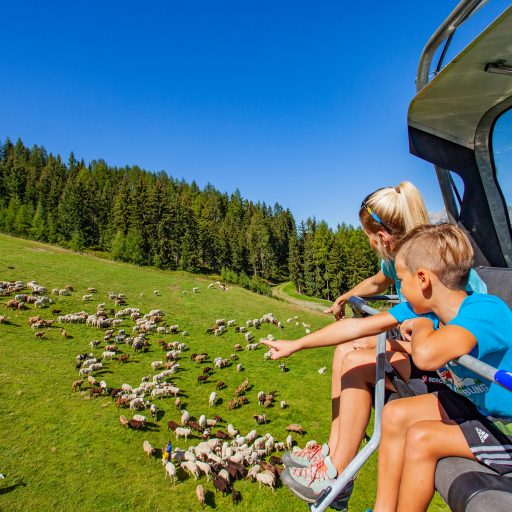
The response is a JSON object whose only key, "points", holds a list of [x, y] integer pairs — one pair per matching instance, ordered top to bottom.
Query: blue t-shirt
{"points": [[475, 284], [489, 320]]}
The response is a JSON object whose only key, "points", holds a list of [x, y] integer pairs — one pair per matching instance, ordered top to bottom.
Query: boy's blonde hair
{"points": [[399, 209], [443, 249]]}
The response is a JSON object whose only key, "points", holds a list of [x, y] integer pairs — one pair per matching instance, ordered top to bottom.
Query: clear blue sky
{"points": [[301, 103]]}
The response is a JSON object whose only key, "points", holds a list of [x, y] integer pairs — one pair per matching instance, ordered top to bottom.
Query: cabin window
{"points": [[502, 152]]}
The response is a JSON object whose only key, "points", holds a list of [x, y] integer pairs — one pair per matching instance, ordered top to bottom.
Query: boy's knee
{"points": [[394, 416], [419, 442]]}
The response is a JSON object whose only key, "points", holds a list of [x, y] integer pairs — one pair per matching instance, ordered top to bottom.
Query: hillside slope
{"points": [[70, 450]]}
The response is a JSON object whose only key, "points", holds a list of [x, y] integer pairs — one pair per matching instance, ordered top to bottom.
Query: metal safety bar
{"points": [[501, 377], [330, 493]]}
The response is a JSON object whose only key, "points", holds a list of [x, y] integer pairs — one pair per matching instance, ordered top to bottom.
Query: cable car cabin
{"points": [[452, 123]]}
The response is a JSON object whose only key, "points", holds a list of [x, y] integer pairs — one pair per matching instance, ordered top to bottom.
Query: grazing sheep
{"points": [[39, 334], [239, 367], [322, 370], [221, 384], [77, 385], [212, 399], [177, 403], [283, 404], [153, 408], [185, 416], [260, 418], [202, 421], [172, 425], [296, 428], [232, 430], [182, 432], [289, 442], [148, 449], [191, 468], [205, 468], [170, 469], [224, 474], [251, 475], [266, 478], [220, 484], [200, 495]]}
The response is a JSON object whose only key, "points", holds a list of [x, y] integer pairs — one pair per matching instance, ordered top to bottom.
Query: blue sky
{"points": [[301, 103]]}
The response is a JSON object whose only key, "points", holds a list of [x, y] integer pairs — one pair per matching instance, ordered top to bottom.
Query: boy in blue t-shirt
{"points": [[472, 419]]}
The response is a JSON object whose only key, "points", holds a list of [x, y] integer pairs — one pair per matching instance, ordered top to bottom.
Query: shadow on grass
{"points": [[159, 415], [9, 488], [209, 499]]}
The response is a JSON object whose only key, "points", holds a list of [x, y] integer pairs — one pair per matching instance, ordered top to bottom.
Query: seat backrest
{"points": [[498, 281]]}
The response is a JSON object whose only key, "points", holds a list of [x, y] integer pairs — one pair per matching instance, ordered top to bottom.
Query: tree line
{"points": [[153, 219]]}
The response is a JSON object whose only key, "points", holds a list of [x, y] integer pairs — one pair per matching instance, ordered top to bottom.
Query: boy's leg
{"points": [[357, 377], [398, 416], [427, 442]]}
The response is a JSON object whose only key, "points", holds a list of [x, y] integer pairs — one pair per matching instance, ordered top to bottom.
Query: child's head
{"points": [[389, 213], [442, 249]]}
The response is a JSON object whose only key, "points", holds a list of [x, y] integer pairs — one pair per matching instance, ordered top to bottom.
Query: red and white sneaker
{"points": [[306, 456]]}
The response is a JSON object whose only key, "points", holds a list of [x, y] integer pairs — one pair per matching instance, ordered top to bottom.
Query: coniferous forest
{"points": [[152, 219]]}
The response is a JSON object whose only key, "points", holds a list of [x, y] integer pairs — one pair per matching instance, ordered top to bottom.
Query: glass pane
{"points": [[502, 149]]}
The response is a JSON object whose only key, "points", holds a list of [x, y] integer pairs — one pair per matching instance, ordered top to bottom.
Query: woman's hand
{"points": [[337, 309], [369, 342], [281, 349]]}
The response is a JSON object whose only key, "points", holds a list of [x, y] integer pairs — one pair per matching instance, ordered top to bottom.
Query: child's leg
{"points": [[358, 375], [397, 418], [427, 442]]}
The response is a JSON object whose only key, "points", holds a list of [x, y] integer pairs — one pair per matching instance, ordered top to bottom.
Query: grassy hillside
{"points": [[70, 451]]}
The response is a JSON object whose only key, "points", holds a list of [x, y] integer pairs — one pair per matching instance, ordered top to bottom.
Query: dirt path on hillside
{"points": [[277, 291]]}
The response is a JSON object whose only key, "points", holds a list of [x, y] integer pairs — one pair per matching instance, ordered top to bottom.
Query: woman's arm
{"points": [[371, 286], [345, 330]]}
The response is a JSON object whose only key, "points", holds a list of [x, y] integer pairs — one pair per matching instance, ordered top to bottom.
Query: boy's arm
{"points": [[336, 333], [432, 349]]}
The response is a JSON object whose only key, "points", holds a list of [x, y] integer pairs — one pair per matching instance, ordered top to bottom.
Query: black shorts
{"points": [[489, 438]]}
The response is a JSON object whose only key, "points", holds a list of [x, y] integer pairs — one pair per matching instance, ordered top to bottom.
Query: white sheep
{"points": [[108, 354], [157, 364], [239, 367], [322, 370], [212, 399], [283, 404], [185, 416], [202, 421], [182, 432], [232, 432], [289, 442], [148, 449], [191, 468], [205, 468], [170, 469], [251, 475], [266, 478]]}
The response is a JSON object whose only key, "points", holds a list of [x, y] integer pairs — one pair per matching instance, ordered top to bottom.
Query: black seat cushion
{"points": [[468, 486]]}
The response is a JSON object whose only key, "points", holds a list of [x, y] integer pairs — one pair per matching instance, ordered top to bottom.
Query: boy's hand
{"points": [[407, 327], [281, 349]]}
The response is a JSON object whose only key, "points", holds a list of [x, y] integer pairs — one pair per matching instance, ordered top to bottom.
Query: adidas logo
{"points": [[481, 434]]}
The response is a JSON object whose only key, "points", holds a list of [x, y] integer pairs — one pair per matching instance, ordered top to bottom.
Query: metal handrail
{"points": [[462, 11], [329, 494]]}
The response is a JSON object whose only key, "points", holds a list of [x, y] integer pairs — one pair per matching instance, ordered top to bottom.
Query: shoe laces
{"points": [[309, 453], [314, 472]]}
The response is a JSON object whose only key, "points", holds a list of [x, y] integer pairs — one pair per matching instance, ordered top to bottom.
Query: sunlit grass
{"points": [[71, 453]]}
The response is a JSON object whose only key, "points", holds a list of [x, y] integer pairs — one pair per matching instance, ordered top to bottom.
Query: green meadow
{"points": [[64, 451]]}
